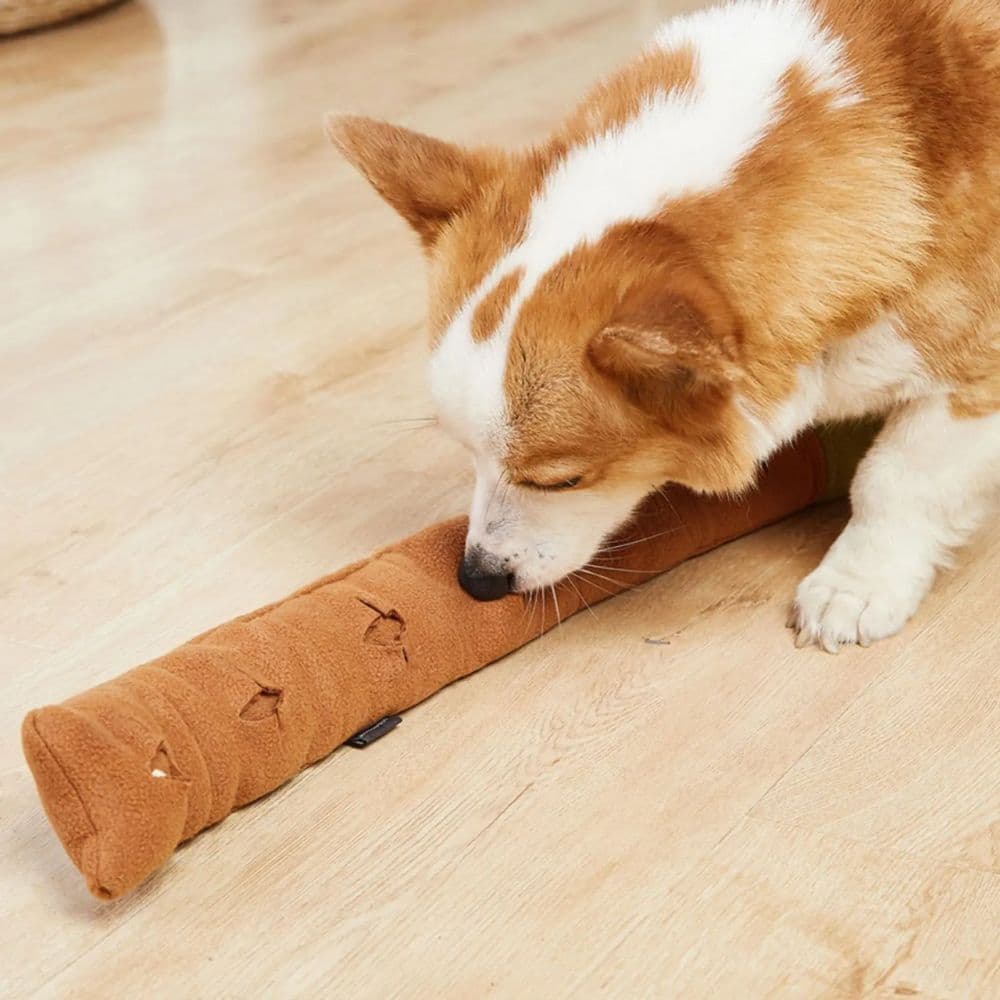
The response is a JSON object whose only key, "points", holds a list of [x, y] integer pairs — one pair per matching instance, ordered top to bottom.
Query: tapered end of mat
{"points": [[118, 814]]}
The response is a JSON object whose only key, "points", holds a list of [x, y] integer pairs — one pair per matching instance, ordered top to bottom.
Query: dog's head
{"points": [[581, 350]]}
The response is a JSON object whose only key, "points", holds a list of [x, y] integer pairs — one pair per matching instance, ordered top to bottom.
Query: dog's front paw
{"points": [[855, 598]]}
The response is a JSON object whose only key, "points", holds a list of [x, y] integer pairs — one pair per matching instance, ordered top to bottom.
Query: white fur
{"points": [[755, 41], [681, 143], [870, 372], [467, 385], [927, 482], [921, 490], [542, 537]]}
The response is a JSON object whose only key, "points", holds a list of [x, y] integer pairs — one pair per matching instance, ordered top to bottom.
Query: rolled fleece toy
{"points": [[128, 770]]}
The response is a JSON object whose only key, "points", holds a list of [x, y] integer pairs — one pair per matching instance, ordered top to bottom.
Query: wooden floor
{"points": [[210, 332]]}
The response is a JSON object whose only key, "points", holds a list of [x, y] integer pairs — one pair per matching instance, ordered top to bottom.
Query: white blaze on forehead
{"points": [[682, 142], [467, 384], [488, 497]]}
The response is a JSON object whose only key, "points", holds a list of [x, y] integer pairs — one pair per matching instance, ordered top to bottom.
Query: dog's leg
{"points": [[928, 480]]}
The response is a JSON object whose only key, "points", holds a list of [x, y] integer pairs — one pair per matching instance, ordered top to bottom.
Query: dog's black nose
{"points": [[482, 577]]}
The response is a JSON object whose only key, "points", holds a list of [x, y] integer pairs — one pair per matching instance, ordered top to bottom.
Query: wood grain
{"points": [[212, 343]]}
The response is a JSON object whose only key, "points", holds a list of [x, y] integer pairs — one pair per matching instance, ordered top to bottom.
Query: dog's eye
{"points": [[566, 484]]}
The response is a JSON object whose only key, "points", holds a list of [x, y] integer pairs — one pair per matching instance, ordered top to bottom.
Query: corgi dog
{"points": [[781, 212]]}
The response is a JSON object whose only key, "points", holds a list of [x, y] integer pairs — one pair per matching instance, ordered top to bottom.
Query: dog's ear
{"points": [[426, 180], [676, 330]]}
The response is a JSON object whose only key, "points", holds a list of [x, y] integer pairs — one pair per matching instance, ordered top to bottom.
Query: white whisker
{"points": [[638, 541], [622, 569], [600, 576], [579, 593], [555, 601]]}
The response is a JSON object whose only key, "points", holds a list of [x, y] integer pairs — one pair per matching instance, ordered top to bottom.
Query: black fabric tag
{"points": [[366, 737]]}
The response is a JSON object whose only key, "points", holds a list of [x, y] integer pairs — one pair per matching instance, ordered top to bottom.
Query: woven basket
{"points": [[22, 15]]}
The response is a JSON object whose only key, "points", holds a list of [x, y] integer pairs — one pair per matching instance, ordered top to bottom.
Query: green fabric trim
{"points": [[844, 445]]}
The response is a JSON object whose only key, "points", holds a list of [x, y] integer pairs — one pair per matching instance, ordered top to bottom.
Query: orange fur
{"points": [[619, 98], [491, 310]]}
